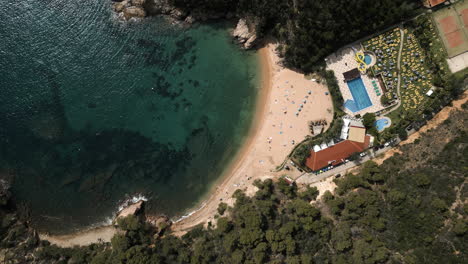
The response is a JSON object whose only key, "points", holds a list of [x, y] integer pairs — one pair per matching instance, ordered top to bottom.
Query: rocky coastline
{"points": [[244, 33], [20, 242]]}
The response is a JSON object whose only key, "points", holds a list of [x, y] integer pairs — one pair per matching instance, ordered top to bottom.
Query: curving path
{"points": [[402, 39]]}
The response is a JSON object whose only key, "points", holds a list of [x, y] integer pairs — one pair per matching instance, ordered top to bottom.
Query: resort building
{"points": [[432, 3], [361, 92], [354, 139], [336, 154]]}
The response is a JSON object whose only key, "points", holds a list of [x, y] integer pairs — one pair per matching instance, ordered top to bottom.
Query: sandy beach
{"points": [[277, 126], [82, 238]]}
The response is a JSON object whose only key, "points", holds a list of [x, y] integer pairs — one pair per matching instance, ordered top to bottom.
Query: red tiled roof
{"points": [[435, 2], [336, 154]]}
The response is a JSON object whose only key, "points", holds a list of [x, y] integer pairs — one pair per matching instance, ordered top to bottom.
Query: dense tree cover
{"points": [[311, 30], [410, 209]]}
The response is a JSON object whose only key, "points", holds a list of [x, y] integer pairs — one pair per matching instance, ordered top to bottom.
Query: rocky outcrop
{"points": [[128, 9], [245, 33], [132, 209], [162, 223], [18, 240]]}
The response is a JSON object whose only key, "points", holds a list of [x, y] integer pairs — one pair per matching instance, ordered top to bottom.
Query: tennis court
{"points": [[452, 24]]}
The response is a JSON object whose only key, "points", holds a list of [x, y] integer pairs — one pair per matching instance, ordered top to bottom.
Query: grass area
{"points": [[385, 47], [461, 74]]}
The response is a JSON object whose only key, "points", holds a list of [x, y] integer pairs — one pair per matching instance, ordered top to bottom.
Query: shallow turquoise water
{"points": [[94, 111]]}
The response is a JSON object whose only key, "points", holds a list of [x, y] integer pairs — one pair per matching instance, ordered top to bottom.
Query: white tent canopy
{"points": [[346, 122], [344, 135]]}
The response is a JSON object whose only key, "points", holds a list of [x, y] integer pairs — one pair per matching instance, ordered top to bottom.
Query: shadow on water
{"points": [[94, 110], [63, 171]]}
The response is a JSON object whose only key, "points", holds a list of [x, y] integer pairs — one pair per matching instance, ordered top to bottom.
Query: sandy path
{"points": [[276, 126]]}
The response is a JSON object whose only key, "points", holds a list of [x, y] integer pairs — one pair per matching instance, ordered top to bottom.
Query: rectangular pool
{"points": [[360, 96]]}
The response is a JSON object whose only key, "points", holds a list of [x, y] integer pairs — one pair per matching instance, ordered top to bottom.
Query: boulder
{"points": [[138, 2], [119, 6], [158, 7], [134, 11], [178, 14], [190, 20], [250, 42]]}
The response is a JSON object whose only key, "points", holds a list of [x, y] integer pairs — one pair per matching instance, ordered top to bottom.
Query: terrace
{"points": [[361, 92]]}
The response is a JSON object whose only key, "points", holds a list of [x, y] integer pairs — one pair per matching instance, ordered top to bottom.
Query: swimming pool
{"points": [[368, 59], [361, 99], [382, 123]]}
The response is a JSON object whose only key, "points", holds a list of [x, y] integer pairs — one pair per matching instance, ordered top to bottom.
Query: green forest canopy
{"points": [[312, 29]]}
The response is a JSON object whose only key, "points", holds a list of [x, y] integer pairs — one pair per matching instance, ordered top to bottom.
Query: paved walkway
{"points": [[458, 62]]}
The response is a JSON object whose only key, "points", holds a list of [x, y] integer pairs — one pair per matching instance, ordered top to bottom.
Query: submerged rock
{"points": [[119, 6], [130, 9], [5, 193]]}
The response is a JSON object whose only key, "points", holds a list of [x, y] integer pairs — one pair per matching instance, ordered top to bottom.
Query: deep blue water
{"points": [[360, 97], [94, 110]]}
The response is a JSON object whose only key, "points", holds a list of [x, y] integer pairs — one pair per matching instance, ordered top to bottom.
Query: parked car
{"points": [[387, 144], [362, 154]]}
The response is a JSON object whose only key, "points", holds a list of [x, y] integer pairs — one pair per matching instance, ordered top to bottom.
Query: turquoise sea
{"points": [[94, 111]]}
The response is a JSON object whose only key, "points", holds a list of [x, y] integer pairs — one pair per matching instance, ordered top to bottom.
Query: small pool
{"points": [[368, 59], [361, 98], [382, 123]]}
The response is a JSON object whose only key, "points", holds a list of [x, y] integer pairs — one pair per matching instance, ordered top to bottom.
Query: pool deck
{"points": [[343, 61]]}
